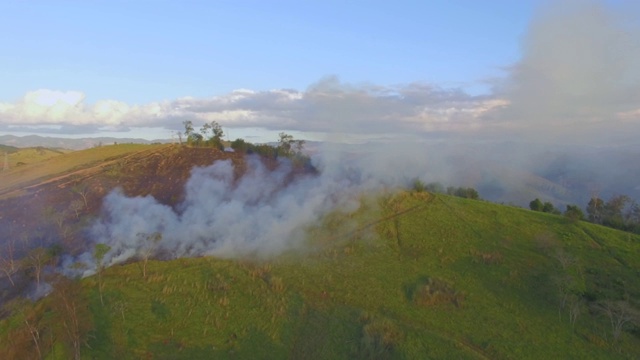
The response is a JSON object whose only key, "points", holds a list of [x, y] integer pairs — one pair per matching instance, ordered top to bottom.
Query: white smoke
{"points": [[262, 213]]}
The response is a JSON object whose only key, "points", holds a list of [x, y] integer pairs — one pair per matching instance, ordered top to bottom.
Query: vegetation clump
{"points": [[432, 292], [380, 337]]}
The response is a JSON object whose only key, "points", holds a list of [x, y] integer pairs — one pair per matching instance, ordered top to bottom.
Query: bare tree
{"points": [[81, 189], [76, 206], [54, 216], [150, 242], [98, 254], [564, 259], [35, 261], [7, 263], [575, 304], [71, 313], [620, 313], [31, 323]]}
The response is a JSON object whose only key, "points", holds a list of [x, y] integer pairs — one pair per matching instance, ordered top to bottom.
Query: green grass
{"points": [[25, 156], [354, 295]]}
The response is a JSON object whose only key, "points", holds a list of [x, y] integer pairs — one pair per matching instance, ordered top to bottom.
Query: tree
{"points": [[188, 129], [216, 129], [204, 130], [217, 134], [196, 139], [284, 143], [239, 145], [299, 145], [419, 186], [435, 187], [81, 189], [467, 193], [536, 205], [76, 206], [549, 208], [595, 210], [613, 211], [574, 213], [54, 216], [149, 244], [99, 252], [35, 262], [7, 263], [620, 313], [71, 314], [32, 323]]}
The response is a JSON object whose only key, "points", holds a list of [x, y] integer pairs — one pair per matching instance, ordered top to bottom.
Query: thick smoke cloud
{"points": [[579, 76], [263, 213]]}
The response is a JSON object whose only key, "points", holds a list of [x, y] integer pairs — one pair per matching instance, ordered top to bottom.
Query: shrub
{"points": [[419, 186], [536, 205], [574, 213], [490, 258], [431, 292], [380, 336]]}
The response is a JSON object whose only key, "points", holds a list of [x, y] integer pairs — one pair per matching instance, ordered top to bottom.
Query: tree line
{"points": [[211, 135], [436, 187], [619, 212]]}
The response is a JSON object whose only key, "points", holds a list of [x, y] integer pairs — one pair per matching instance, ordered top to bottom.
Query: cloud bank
{"points": [[579, 76], [327, 106]]}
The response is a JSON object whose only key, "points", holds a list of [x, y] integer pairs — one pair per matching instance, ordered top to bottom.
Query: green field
{"points": [[34, 165], [409, 276]]}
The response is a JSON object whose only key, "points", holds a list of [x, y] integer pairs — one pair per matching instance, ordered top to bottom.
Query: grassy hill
{"points": [[17, 157], [31, 166], [410, 275]]}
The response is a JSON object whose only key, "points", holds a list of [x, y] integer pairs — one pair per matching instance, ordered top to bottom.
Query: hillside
{"points": [[69, 143], [23, 156], [49, 201], [407, 275], [423, 276]]}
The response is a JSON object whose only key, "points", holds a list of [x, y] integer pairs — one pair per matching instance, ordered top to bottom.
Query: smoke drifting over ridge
{"points": [[579, 76], [576, 84], [263, 213]]}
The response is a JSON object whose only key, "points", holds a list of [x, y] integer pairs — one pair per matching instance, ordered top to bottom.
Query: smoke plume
{"points": [[262, 213]]}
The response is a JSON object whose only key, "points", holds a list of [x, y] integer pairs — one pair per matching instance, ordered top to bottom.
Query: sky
{"points": [[361, 69]]}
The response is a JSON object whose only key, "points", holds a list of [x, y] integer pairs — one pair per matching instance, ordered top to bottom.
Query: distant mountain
{"points": [[72, 144]]}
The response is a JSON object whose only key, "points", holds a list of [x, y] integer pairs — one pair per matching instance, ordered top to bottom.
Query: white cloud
{"points": [[327, 106]]}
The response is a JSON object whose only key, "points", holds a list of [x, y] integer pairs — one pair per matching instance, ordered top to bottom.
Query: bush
{"points": [[419, 186], [435, 187], [467, 193], [536, 205], [574, 213], [432, 292], [380, 336]]}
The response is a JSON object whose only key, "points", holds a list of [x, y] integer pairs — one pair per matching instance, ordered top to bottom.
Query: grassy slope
{"points": [[27, 156], [39, 168], [352, 298]]}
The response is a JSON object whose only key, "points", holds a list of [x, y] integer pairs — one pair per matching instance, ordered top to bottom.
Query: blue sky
{"points": [[144, 51], [113, 66]]}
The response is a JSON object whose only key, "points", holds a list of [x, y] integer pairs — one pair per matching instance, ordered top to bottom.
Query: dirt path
{"points": [[77, 174]]}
